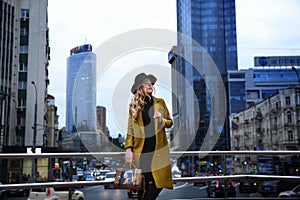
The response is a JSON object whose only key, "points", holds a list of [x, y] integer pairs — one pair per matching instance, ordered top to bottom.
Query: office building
{"points": [[212, 25], [24, 56], [270, 74], [81, 90]]}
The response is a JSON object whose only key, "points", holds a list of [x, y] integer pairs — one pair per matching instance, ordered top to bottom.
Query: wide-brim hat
{"points": [[138, 80]]}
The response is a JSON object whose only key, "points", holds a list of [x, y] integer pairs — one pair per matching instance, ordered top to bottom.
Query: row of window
{"points": [[22, 85]]}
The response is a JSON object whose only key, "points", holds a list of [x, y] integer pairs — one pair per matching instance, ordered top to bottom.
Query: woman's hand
{"points": [[157, 115], [129, 156]]}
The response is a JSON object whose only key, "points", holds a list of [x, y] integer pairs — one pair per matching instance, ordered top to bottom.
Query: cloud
{"points": [[264, 27]]}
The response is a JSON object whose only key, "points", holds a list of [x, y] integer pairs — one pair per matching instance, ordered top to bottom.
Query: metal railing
{"points": [[173, 153]]}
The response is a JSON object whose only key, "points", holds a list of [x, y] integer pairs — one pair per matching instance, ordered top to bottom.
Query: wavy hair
{"points": [[138, 101]]}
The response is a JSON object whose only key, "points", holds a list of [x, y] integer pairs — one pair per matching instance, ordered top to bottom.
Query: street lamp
{"points": [[294, 69], [34, 166]]}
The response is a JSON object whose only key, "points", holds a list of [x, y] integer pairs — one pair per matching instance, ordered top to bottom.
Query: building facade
{"points": [[211, 24], [24, 55], [263, 82], [81, 90], [101, 119], [272, 124], [51, 134]]}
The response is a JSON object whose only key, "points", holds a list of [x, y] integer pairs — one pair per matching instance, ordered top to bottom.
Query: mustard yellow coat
{"points": [[135, 138]]}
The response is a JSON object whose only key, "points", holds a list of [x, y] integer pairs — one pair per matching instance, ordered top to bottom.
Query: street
{"points": [[181, 191]]}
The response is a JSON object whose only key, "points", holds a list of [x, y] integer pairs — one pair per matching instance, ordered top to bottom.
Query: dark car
{"points": [[201, 181], [248, 186], [216, 188], [273, 188], [18, 192], [21, 192]]}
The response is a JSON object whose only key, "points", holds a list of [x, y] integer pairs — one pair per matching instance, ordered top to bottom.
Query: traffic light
{"points": [[121, 145], [255, 167]]}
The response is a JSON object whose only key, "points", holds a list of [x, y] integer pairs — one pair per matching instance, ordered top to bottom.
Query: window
{"points": [[24, 14], [24, 32], [24, 49], [22, 67], [22, 84], [252, 94], [287, 101], [21, 103], [289, 117], [21, 121], [290, 135]]}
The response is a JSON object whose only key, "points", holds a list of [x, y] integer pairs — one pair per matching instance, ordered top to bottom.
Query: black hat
{"points": [[139, 80]]}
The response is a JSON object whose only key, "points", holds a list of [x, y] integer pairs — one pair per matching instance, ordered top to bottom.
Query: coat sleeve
{"points": [[129, 135]]}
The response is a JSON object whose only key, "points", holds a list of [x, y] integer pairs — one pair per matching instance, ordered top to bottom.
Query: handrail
{"points": [[173, 153], [182, 179]]}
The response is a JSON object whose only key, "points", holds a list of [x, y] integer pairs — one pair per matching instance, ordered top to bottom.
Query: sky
{"points": [[264, 28]]}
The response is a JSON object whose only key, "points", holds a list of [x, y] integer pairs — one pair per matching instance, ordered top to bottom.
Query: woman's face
{"points": [[148, 86]]}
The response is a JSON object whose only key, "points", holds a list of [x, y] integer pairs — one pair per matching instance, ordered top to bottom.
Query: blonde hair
{"points": [[138, 101]]}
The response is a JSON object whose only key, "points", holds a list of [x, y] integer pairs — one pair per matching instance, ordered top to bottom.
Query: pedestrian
{"points": [[146, 140]]}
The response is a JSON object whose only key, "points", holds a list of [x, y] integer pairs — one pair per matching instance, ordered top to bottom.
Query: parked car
{"points": [[109, 177], [201, 181], [248, 185], [216, 188], [273, 188], [2, 193], [61, 193], [293, 193]]}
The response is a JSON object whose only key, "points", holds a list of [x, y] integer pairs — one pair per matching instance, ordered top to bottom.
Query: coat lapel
{"points": [[155, 107]]}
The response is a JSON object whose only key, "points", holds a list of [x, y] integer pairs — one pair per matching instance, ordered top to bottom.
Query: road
{"points": [[181, 191]]}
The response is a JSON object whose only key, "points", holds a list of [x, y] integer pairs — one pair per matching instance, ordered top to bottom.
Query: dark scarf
{"points": [[149, 144]]}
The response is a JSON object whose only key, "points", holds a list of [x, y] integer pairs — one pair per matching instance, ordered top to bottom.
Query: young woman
{"points": [[146, 141]]}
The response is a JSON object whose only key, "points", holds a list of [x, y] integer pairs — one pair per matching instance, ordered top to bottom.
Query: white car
{"points": [[102, 173], [109, 177], [50, 193], [293, 193]]}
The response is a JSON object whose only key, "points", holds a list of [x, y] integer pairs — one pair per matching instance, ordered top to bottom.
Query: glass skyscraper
{"points": [[212, 24], [81, 90]]}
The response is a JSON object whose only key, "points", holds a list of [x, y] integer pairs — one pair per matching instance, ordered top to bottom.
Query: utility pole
{"points": [[34, 165]]}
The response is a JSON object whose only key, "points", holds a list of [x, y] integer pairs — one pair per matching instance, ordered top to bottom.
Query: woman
{"points": [[146, 141]]}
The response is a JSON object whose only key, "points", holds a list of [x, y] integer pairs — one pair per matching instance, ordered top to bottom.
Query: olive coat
{"points": [[135, 138]]}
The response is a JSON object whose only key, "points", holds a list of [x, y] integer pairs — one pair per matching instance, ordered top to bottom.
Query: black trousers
{"points": [[150, 192]]}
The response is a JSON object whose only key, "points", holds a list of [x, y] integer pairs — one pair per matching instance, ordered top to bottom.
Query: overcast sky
{"points": [[264, 28]]}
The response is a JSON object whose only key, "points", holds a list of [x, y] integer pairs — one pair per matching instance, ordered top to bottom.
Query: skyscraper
{"points": [[211, 24], [81, 90]]}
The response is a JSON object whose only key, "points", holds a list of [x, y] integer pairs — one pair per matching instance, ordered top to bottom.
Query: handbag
{"points": [[128, 178]]}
